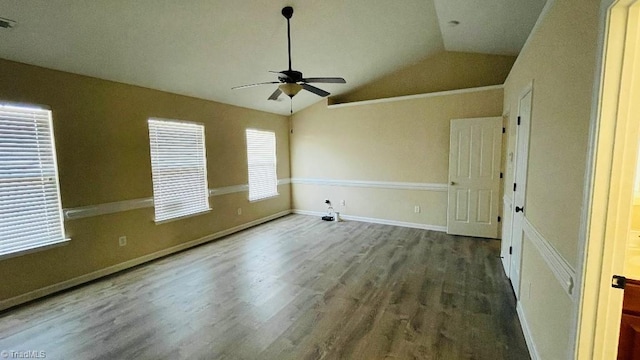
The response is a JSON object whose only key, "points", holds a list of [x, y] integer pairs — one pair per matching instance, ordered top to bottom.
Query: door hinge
{"points": [[518, 120], [504, 130], [501, 175], [514, 186], [499, 219], [510, 250], [618, 281]]}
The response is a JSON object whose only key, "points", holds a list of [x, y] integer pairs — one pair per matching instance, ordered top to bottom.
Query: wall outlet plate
{"points": [[122, 240]]}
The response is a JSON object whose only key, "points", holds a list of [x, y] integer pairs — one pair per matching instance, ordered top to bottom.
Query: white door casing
{"points": [[523, 122], [474, 177], [505, 244]]}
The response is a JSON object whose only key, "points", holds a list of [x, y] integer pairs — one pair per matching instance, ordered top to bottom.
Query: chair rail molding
{"points": [[373, 184], [133, 204], [565, 274]]}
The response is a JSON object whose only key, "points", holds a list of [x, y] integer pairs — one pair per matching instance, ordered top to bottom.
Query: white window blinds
{"points": [[261, 158], [179, 169], [30, 209]]}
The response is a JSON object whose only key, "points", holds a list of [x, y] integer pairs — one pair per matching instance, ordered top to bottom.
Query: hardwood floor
{"points": [[294, 288]]}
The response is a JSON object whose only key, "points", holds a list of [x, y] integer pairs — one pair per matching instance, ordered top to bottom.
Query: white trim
{"points": [[543, 14], [417, 96], [25, 105], [373, 184], [228, 190], [507, 200], [126, 205], [106, 208], [606, 212], [375, 220], [62, 242], [557, 264], [32, 295], [584, 334], [528, 337]]}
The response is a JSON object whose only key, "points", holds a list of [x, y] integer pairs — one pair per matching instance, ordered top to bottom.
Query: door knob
{"points": [[453, 183], [520, 209]]}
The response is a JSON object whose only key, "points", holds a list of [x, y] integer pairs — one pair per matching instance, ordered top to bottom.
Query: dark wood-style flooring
{"points": [[294, 288]]}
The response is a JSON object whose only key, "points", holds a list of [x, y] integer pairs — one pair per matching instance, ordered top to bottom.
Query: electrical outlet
{"points": [[343, 203], [416, 209], [239, 211], [122, 240]]}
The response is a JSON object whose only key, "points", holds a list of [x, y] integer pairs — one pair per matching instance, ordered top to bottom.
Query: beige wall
{"points": [[560, 59], [561, 62], [444, 71], [400, 141], [103, 156], [635, 220]]}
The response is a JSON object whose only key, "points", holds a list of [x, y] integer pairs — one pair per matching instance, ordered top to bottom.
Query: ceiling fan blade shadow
{"points": [[326, 80], [257, 84], [315, 90], [275, 94]]}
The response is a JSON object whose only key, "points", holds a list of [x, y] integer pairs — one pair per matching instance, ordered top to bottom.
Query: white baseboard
{"points": [[376, 220], [20, 299], [527, 333]]}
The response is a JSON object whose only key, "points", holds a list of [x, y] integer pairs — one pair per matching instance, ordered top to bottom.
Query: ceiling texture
{"points": [[203, 48]]}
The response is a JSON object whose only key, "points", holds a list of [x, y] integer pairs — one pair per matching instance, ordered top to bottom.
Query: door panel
{"points": [[474, 176], [520, 178], [507, 215]]}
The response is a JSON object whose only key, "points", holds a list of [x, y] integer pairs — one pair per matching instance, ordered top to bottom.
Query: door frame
{"points": [[521, 161], [611, 163], [450, 185], [506, 207]]}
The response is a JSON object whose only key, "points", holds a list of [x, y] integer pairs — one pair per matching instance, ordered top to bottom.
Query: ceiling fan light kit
{"points": [[292, 81], [290, 89]]}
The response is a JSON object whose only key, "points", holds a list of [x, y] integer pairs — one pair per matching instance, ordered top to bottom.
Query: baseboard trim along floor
{"points": [[32, 295]]}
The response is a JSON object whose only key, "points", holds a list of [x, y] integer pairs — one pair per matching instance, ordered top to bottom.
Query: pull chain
{"points": [[291, 102]]}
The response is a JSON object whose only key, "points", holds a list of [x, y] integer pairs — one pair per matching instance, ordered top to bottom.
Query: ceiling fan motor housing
{"points": [[290, 76]]}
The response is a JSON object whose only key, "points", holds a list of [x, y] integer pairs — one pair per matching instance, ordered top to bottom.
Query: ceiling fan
{"points": [[292, 81]]}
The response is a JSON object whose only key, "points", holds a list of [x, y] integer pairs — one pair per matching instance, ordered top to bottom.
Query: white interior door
{"points": [[474, 177], [519, 187], [505, 245]]}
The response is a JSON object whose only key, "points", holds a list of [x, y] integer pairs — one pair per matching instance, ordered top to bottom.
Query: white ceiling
{"points": [[487, 26], [202, 48]]}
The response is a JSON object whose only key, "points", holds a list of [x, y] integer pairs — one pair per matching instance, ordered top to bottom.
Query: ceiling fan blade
{"points": [[279, 73], [327, 80], [252, 85], [315, 90], [275, 94]]}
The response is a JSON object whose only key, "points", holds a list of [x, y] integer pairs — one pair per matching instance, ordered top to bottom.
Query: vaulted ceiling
{"points": [[203, 48]]}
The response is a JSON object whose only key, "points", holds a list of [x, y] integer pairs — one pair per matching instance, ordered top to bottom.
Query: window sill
{"points": [[265, 198], [182, 217], [44, 247]]}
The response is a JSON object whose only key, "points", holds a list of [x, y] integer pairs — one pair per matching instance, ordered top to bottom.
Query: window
{"points": [[261, 159], [178, 169], [30, 209]]}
